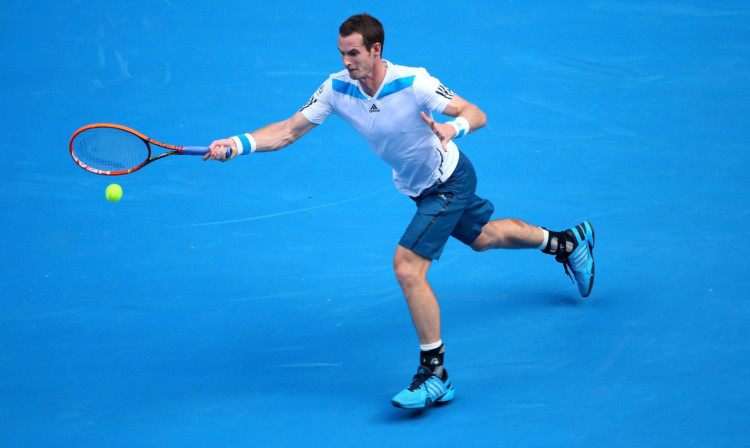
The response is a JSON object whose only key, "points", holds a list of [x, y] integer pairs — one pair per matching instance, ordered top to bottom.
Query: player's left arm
{"points": [[458, 107]]}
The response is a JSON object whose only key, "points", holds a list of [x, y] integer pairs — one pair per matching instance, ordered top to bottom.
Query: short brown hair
{"points": [[368, 26]]}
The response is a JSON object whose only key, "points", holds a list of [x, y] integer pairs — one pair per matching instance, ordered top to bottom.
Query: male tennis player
{"points": [[391, 107]]}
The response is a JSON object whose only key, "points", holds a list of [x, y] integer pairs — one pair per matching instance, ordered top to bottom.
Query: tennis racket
{"points": [[113, 150]]}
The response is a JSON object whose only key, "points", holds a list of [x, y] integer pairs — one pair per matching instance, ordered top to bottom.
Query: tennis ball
{"points": [[113, 193]]}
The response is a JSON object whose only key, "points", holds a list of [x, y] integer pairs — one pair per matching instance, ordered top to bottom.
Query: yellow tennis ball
{"points": [[113, 193]]}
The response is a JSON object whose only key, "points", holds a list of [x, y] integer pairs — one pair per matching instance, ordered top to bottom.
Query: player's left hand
{"points": [[444, 131]]}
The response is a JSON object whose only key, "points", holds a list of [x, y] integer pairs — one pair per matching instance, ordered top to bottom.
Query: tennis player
{"points": [[392, 107]]}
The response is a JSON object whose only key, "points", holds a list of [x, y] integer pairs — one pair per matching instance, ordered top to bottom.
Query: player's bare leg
{"points": [[508, 234], [572, 247], [411, 273], [431, 383]]}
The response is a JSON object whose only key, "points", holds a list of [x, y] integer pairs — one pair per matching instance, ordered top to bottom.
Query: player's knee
{"points": [[481, 244], [479, 247], [406, 269], [405, 272]]}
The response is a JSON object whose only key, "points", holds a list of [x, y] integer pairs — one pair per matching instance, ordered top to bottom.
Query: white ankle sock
{"points": [[546, 240], [433, 346]]}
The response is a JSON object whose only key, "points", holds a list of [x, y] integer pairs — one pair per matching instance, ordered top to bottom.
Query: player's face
{"points": [[357, 60]]}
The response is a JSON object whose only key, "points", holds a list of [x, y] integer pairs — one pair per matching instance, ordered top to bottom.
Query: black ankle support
{"points": [[560, 244], [432, 358]]}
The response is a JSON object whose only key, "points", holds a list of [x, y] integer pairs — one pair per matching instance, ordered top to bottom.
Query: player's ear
{"points": [[377, 49]]}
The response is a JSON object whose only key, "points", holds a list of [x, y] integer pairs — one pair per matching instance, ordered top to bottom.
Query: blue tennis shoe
{"points": [[581, 260], [426, 388]]}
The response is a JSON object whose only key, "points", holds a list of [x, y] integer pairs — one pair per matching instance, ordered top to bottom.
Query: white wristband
{"points": [[461, 125], [245, 143]]}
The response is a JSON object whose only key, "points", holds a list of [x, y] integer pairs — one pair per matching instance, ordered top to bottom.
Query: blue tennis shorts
{"points": [[451, 208]]}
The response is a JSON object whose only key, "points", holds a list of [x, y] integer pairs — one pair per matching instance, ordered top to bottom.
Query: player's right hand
{"points": [[444, 132], [217, 150]]}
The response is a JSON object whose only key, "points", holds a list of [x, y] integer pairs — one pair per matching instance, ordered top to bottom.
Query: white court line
{"points": [[290, 212]]}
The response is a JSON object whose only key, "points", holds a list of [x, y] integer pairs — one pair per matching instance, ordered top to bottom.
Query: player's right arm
{"points": [[270, 138]]}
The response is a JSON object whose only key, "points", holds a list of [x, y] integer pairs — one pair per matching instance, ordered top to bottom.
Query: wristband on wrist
{"points": [[461, 125], [245, 143]]}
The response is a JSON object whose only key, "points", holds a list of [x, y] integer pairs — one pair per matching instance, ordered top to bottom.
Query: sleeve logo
{"points": [[445, 92], [314, 99], [310, 102]]}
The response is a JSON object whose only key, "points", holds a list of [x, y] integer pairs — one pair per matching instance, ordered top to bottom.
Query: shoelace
{"points": [[566, 263], [420, 378]]}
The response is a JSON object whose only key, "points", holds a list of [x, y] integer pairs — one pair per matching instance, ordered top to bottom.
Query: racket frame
{"points": [[172, 149]]}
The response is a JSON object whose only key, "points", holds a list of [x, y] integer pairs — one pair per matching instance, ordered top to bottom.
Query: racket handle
{"points": [[199, 150]]}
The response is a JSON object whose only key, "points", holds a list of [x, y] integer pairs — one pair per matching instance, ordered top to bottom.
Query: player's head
{"points": [[368, 26], [361, 45]]}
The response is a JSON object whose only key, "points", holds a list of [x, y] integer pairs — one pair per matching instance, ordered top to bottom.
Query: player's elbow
{"points": [[481, 119], [295, 127], [284, 135], [291, 136]]}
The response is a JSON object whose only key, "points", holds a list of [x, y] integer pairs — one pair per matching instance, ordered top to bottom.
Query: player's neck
{"points": [[371, 84]]}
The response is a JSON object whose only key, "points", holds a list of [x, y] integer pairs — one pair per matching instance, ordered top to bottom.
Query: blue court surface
{"points": [[253, 303]]}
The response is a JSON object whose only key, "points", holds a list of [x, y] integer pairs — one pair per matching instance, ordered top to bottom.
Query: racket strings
{"points": [[110, 149]]}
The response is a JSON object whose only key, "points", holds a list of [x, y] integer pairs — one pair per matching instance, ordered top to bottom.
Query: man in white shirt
{"points": [[391, 107]]}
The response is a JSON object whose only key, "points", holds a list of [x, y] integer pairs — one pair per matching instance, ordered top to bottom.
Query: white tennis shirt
{"points": [[390, 122]]}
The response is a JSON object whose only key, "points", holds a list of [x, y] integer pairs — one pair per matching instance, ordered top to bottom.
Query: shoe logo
{"points": [[374, 108], [435, 389]]}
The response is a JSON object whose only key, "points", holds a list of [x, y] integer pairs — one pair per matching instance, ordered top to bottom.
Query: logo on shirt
{"points": [[445, 92], [314, 99], [310, 102], [374, 108]]}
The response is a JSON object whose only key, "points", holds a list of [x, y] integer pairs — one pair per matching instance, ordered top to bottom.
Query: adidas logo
{"points": [[374, 108]]}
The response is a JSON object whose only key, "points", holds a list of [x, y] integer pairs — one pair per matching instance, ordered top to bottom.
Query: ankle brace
{"points": [[561, 244], [433, 359]]}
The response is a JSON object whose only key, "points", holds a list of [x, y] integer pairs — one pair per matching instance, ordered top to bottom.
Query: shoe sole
{"points": [[593, 262], [446, 397]]}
